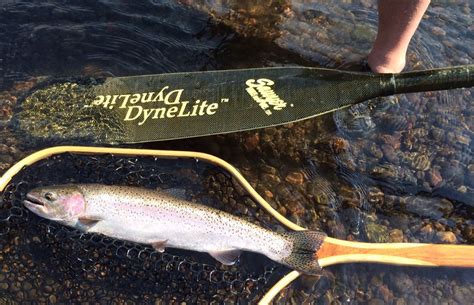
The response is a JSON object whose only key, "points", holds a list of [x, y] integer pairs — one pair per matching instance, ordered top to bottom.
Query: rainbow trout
{"points": [[161, 220]]}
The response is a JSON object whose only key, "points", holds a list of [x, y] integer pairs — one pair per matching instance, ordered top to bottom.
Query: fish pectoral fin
{"points": [[88, 221], [159, 245], [226, 257]]}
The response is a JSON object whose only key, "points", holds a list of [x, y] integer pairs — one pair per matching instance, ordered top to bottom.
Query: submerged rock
{"points": [[429, 207], [377, 233], [396, 236], [446, 237]]}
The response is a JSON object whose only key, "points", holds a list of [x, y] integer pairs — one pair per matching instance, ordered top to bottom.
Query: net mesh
{"points": [[46, 262]]}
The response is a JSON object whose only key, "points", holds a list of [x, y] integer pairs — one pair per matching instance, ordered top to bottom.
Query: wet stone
{"points": [[436, 30], [363, 33], [437, 134], [451, 138], [463, 139], [251, 142], [339, 145], [4, 149], [376, 151], [390, 153], [6, 158], [421, 162], [4, 167], [268, 169], [386, 171], [453, 173], [434, 177], [296, 178], [271, 179], [268, 194], [376, 196], [430, 207], [427, 230], [376, 233], [468, 233], [396, 236], [446, 237], [376, 281], [402, 283], [27, 286], [48, 289], [33, 294], [386, 294], [462, 294], [327, 299], [400, 301], [376, 302]]}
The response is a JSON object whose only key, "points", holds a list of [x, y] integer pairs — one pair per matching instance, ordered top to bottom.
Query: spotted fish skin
{"points": [[152, 217]]}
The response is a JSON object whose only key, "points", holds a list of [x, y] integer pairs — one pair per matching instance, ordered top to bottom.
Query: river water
{"points": [[397, 169]]}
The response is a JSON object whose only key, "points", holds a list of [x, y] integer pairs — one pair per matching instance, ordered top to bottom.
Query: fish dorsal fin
{"points": [[88, 222], [159, 245], [226, 257]]}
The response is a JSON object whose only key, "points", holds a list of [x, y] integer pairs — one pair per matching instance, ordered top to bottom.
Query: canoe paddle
{"points": [[182, 105]]}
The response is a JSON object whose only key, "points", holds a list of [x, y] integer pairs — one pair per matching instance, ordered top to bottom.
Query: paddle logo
{"points": [[261, 91], [163, 104]]}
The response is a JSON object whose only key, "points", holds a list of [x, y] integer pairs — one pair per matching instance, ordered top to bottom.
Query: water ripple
{"points": [[114, 37]]}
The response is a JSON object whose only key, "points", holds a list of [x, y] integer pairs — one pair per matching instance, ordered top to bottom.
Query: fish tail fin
{"points": [[303, 255]]}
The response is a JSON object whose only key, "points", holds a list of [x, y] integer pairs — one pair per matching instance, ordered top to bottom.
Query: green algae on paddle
{"points": [[57, 113]]}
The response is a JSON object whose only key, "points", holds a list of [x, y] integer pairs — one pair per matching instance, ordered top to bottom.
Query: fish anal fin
{"points": [[160, 245], [226, 257]]}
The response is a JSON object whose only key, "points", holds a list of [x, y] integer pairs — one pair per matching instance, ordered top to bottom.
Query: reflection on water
{"points": [[396, 169]]}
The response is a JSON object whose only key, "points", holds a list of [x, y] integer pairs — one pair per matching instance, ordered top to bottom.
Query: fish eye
{"points": [[50, 196]]}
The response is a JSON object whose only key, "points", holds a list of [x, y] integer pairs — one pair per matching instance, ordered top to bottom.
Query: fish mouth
{"points": [[32, 199], [35, 204]]}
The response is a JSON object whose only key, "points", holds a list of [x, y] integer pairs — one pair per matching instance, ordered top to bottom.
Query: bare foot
{"points": [[386, 62]]}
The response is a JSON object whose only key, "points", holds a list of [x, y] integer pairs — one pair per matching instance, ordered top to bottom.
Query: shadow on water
{"points": [[397, 169]]}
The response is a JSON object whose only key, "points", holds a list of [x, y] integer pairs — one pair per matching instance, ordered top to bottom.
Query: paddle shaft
{"points": [[438, 79], [335, 251]]}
